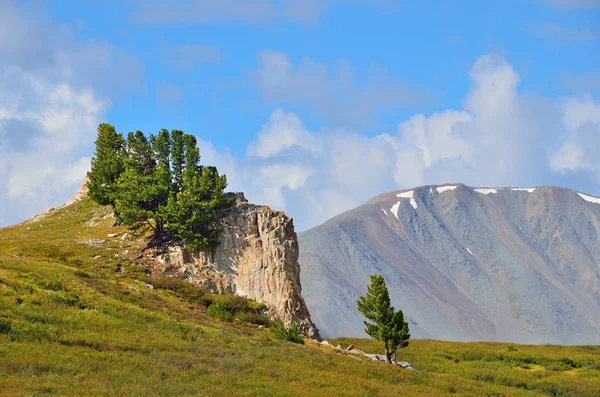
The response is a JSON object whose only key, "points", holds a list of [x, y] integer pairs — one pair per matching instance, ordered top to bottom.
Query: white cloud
{"points": [[333, 91], [53, 95], [579, 111], [43, 125], [282, 131], [434, 137], [501, 137], [580, 151], [568, 158]]}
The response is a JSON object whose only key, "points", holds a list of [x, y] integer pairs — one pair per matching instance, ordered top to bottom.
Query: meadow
{"points": [[77, 317]]}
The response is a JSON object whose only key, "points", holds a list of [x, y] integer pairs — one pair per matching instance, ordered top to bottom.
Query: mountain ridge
{"points": [[476, 255]]}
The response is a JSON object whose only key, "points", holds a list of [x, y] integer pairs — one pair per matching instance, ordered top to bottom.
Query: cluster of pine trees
{"points": [[158, 182]]}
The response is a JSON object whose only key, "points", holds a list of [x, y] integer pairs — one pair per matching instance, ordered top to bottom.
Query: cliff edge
{"points": [[257, 258]]}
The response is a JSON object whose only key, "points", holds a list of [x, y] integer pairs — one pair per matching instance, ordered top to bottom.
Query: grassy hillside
{"points": [[70, 324]]}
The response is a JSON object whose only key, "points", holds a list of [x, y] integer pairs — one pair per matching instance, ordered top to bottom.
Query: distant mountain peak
{"points": [[519, 264]]}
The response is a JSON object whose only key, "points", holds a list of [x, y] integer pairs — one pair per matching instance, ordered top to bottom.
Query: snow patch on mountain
{"points": [[442, 189], [528, 190], [487, 191], [409, 195], [591, 199], [394, 209]]}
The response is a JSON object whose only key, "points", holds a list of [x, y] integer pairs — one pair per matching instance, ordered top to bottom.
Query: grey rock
{"points": [[97, 243], [257, 258], [510, 265], [405, 365]]}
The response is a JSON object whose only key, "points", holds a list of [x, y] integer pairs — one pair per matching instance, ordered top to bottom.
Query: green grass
{"points": [[70, 324]]}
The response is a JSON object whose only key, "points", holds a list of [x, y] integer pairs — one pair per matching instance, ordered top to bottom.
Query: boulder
{"points": [[405, 365]]}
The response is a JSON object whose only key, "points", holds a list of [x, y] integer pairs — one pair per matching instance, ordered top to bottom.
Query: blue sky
{"points": [[310, 106]]}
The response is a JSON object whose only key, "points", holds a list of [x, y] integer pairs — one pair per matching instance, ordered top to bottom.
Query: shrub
{"points": [[182, 289], [206, 300], [236, 304], [261, 308], [219, 311], [239, 318], [253, 318], [258, 319], [5, 326], [291, 334], [511, 348]]}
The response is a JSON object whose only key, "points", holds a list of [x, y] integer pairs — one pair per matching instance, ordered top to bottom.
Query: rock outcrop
{"points": [[256, 258]]}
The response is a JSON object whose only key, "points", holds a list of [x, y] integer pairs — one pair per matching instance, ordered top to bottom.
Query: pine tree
{"points": [[161, 145], [177, 159], [107, 166], [159, 183], [139, 189], [193, 212], [384, 323]]}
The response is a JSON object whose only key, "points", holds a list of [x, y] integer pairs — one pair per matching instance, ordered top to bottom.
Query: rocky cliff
{"points": [[257, 258], [503, 264]]}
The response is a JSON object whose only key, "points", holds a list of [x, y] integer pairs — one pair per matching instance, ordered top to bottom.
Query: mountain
{"points": [[465, 264]]}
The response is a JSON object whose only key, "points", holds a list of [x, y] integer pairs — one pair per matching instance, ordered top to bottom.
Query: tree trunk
{"points": [[116, 215], [158, 230], [388, 354]]}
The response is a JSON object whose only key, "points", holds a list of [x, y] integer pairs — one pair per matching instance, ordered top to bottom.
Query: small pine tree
{"points": [[108, 164], [384, 323]]}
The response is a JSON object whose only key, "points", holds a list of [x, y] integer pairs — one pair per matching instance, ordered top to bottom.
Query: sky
{"points": [[309, 106]]}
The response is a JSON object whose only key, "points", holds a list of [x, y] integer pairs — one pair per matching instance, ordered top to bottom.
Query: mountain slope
{"points": [[519, 265], [77, 317]]}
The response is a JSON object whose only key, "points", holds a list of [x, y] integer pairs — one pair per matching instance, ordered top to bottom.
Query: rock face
{"points": [[257, 258], [466, 264]]}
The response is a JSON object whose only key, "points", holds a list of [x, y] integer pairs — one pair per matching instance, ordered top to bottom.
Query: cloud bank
{"points": [[333, 91], [53, 95], [501, 136]]}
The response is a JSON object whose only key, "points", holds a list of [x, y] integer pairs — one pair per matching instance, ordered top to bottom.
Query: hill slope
{"points": [[519, 265], [71, 324]]}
